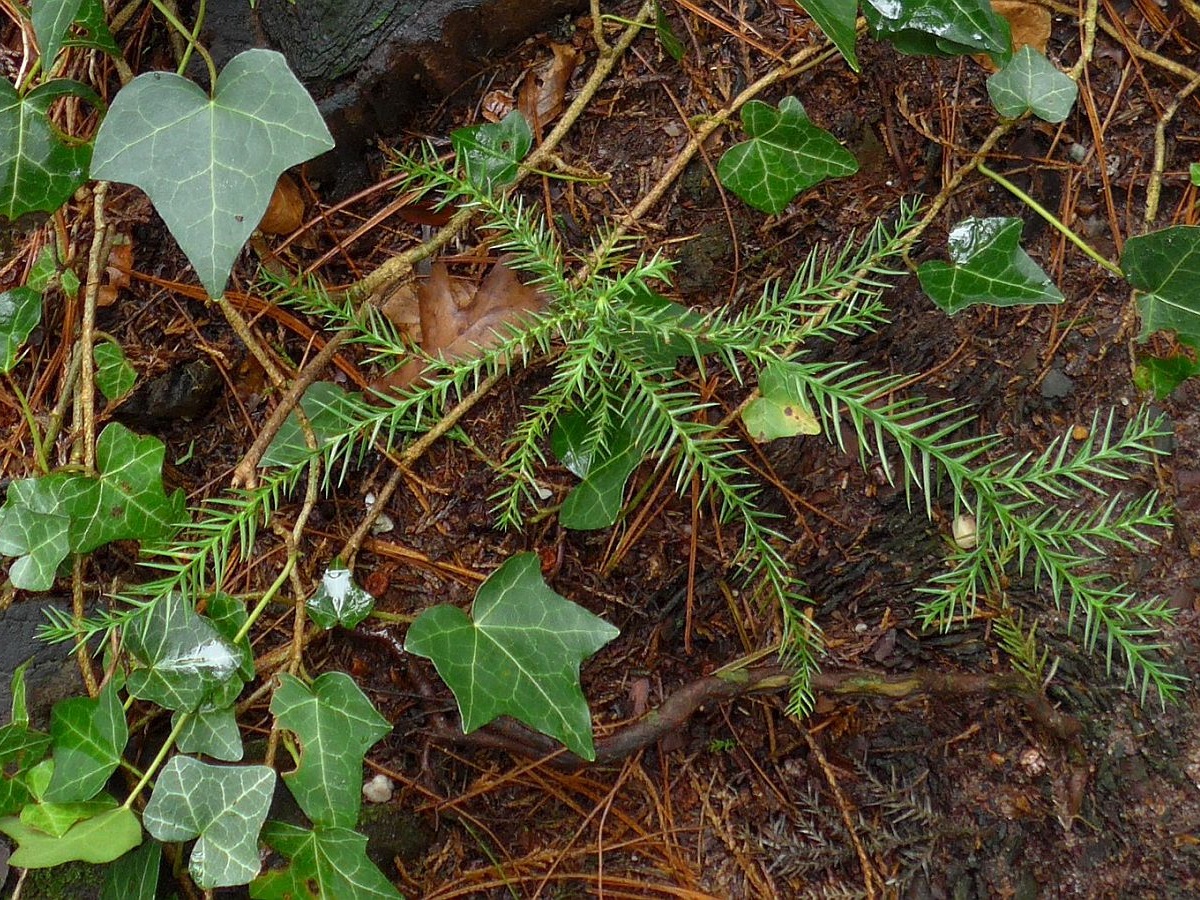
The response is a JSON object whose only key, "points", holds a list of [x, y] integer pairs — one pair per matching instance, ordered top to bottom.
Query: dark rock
{"points": [[368, 62], [1056, 385], [182, 392], [52, 675]]}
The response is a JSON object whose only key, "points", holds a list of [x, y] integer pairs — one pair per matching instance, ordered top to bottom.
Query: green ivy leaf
{"points": [[51, 19], [838, 21], [93, 26], [940, 27], [1031, 83], [786, 154], [490, 155], [209, 164], [38, 170], [1194, 173], [987, 265], [1165, 267], [20, 312], [672, 336], [114, 375], [1162, 376], [327, 408], [781, 410], [596, 501], [44, 519], [339, 600], [228, 615], [518, 656], [184, 660], [335, 724], [210, 731], [89, 735], [20, 749], [223, 806], [56, 819], [99, 839], [324, 864], [135, 875]]}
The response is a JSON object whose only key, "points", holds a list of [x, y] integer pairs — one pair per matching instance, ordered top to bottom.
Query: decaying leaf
{"points": [[1029, 23], [542, 96], [285, 212], [459, 319]]}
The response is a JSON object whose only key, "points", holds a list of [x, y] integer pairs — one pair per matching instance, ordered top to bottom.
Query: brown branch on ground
{"points": [[512, 737]]}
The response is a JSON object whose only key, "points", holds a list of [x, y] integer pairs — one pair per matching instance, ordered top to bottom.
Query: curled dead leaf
{"points": [[1030, 25], [542, 96], [285, 212], [458, 318]]}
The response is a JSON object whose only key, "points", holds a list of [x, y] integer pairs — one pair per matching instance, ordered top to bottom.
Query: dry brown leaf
{"points": [[1030, 26], [542, 103], [497, 104], [285, 212], [459, 319]]}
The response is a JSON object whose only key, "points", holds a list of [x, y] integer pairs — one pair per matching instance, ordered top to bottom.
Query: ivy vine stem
{"points": [[1051, 218], [160, 758]]}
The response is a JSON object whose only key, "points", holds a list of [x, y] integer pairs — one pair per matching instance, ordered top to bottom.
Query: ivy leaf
{"points": [[51, 19], [838, 21], [940, 27], [95, 35], [1031, 83], [490, 154], [786, 154], [210, 164], [38, 170], [987, 265], [1165, 266], [20, 312], [661, 331], [114, 375], [1161, 376], [327, 408], [782, 408], [596, 501], [44, 519], [339, 600], [228, 615], [519, 655], [184, 659], [335, 724], [210, 731], [88, 736], [20, 749], [223, 806], [56, 819], [99, 839], [325, 864], [135, 875]]}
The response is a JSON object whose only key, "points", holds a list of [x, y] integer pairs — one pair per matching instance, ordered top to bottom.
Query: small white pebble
{"points": [[963, 528], [860, 628], [378, 790]]}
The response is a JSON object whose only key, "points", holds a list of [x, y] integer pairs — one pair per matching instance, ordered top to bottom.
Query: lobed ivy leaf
{"points": [[51, 19], [838, 21], [92, 25], [940, 27], [666, 36], [1031, 83], [786, 154], [490, 155], [210, 164], [39, 171], [987, 265], [1165, 267], [20, 312], [674, 336], [114, 375], [1160, 376], [327, 407], [781, 409], [596, 501], [44, 519], [339, 600], [228, 615], [519, 654], [183, 659], [335, 724], [211, 731], [89, 736], [20, 750], [223, 806], [56, 819], [99, 839], [324, 864], [135, 875]]}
